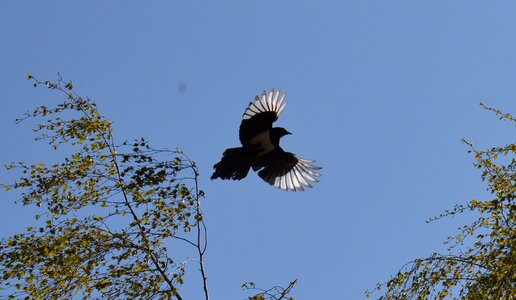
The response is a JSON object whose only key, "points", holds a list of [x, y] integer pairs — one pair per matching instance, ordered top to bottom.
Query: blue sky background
{"points": [[380, 94]]}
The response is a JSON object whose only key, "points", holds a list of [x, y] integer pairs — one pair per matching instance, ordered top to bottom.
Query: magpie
{"points": [[261, 150]]}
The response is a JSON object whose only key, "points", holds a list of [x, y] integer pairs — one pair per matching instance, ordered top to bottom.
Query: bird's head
{"points": [[280, 132], [276, 134]]}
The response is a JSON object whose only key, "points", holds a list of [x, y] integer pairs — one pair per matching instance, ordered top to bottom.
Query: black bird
{"points": [[261, 150]]}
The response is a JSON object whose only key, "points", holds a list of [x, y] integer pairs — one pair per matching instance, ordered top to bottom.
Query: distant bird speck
{"points": [[181, 87]]}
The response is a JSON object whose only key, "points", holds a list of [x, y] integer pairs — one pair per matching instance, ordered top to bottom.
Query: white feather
{"points": [[266, 102]]}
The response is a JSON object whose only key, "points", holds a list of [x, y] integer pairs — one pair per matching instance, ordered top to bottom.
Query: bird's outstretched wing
{"points": [[260, 114], [286, 171]]}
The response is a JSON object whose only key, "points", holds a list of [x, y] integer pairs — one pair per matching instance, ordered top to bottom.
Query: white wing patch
{"points": [[271, 101], [299, 178]]}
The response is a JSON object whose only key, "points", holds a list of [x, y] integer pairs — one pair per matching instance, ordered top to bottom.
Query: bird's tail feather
{"points": [[233, 165]]}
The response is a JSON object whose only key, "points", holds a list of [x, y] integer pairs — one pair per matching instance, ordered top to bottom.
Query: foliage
{"points": [[107, 211], [481, 263], [274, 293]]}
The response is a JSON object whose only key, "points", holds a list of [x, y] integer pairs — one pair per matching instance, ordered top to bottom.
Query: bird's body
{"points": [[262, 143], [261, 150]]}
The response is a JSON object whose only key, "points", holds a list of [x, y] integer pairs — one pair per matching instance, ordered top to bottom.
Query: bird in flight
{"points": [[261, 150]]}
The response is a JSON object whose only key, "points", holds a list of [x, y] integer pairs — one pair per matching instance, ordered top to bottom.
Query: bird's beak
{"points": [[288, 133]]}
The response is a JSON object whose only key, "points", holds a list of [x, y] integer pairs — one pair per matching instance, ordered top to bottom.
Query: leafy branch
{"points": [[84, 244], [486, 268], [274, 293]]}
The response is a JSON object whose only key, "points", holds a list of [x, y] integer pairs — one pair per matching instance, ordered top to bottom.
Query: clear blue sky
{"points": [[380, 94]]}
